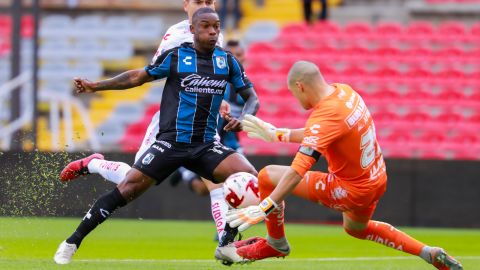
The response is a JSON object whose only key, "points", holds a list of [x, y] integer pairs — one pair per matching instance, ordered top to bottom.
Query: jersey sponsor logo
{"points": [[187, 60], [221, 63], [198, 84], [350, 102], [356, 114], [310, 140], [148, 159]]}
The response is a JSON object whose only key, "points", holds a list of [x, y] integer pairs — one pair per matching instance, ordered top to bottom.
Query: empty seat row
{"points": [[422, 28]]}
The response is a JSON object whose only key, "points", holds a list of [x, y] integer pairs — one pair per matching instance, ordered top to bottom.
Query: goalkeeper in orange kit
{"points": [[341, 129]]}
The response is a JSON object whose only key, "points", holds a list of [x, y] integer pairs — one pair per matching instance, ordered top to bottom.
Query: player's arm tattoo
{"points": [[126, 80], [251, 102]]}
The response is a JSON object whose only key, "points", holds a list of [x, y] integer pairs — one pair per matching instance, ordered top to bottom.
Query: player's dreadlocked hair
{"points": [[200, 11]]}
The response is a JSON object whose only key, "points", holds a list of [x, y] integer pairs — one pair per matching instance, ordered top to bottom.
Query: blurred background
{"points": [[415, 62]]}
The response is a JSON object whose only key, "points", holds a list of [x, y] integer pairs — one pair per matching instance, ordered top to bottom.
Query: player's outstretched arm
{"points": [[126, 80], [259, 129]]}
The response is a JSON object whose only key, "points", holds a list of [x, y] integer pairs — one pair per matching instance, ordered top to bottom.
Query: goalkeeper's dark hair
{"points": [[201, 11]]}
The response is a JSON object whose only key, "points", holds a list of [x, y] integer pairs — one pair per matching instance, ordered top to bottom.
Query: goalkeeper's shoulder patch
{"points": [[309, 151]]}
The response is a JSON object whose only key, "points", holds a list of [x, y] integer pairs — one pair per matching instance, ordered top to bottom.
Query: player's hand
{"points": [[83, 85], [225, 109], [233, 124], [256, 128], [246, 217]]}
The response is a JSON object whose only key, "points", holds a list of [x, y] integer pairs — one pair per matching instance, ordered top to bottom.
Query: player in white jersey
{"points": [[115, 171]]}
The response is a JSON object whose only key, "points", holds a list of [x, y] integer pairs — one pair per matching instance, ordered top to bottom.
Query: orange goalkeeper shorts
{"points": [[357, 199]]}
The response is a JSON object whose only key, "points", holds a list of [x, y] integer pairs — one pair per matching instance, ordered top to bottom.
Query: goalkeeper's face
{"points": [[190, 6]]}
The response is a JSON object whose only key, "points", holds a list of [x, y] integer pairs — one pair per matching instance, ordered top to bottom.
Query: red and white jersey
{"points": [[176, 35]]}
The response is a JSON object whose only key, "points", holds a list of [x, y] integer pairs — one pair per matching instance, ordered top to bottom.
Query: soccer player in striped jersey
{"points": [[197, 75], [341, 129], [115, 171]]}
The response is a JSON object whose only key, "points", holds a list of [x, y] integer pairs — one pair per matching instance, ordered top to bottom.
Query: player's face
{"points": [[190, 6], [206, 30], [238, 52]]}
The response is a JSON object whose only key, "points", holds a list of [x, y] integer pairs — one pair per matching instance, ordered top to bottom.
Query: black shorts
{"points": [[164, 157]]}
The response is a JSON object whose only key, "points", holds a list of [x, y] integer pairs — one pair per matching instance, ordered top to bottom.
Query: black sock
{"points": [[99, 212]]}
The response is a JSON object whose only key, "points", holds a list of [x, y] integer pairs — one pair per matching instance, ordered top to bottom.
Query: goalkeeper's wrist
{"points": [[282, 135], [268, 205]]}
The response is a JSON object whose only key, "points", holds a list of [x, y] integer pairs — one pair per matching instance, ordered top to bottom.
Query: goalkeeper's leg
{"points": [[268, 178], [385, 234]]}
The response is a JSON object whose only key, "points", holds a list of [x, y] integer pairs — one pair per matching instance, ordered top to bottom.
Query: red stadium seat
{"points": [[27, 26], [326, 27], [296, 28], [357, 28], [420, 28], [451, 28], [389, 29], [475, 29], [262, 47], [388, 52], [417, 117]]}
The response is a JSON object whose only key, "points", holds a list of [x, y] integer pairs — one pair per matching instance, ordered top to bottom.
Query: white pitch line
{"points": [[273, 260]]}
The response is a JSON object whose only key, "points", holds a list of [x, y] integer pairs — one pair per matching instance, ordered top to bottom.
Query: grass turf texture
{"points": [[29, 243]]}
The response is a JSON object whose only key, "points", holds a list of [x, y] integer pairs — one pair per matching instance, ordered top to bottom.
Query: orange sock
{"points": [[275, 219], [386, 234]]}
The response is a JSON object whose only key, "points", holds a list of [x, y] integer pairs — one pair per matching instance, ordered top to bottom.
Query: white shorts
{"points": [[151, 135]]}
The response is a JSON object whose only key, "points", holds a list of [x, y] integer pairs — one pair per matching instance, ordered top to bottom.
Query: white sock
{"points": [[113, 171], [219, 210]]}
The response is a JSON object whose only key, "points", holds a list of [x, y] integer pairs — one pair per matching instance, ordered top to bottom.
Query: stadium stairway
{"points": [[279, 11], [94, 47]]}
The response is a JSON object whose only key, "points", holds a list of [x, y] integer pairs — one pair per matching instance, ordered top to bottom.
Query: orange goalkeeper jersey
{"points": [[341, 129]]}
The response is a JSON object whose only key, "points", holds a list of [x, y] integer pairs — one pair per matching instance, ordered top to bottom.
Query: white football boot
{"points": [[65, 253]]}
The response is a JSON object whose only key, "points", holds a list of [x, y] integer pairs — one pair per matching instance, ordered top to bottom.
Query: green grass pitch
{"points": [[29, 243]]}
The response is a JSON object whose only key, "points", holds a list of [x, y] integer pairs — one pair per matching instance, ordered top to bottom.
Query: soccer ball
{"points": [[241, 190]]}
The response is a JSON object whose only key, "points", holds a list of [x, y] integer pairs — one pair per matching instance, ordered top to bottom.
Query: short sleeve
{"points": [[161, 68], [238, 78], [324, 126]]}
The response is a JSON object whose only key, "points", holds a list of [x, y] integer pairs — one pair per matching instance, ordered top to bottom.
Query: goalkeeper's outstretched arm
{"points": [[259, 129]]}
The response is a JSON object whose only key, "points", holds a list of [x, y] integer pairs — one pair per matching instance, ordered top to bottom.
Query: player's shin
{"points": [[112, 171], [219, 211], [97, 214], [274, 220], [386, 234]]}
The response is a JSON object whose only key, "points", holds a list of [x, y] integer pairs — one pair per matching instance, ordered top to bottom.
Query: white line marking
{"points": [[268, 260], [275, 260]]}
